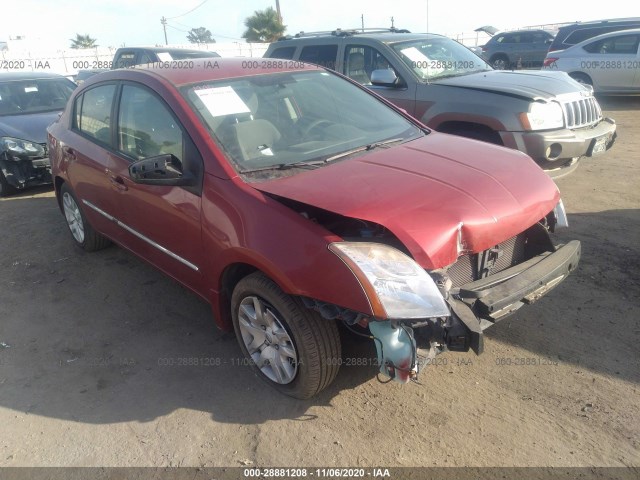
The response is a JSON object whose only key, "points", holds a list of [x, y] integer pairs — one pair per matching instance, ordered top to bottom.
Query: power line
{"points": [[178, 16]]}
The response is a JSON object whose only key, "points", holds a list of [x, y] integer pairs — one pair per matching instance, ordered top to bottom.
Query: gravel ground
{"points": [[95, 354]]}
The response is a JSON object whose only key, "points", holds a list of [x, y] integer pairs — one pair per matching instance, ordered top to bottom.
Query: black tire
{"points": [[500, 62], [581, 78], [5, 188], [91, 240], [315, 340]]}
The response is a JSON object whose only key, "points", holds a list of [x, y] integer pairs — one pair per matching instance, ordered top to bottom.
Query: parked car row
{"points": [[603, 54], [547, 115]]}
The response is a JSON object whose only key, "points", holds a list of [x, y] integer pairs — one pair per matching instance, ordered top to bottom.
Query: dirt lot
{"points": [[87, 342]]}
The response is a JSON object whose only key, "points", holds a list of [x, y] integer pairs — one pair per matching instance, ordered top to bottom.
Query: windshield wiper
{"points": [[364, 148], [317, 163], [285, 166]]}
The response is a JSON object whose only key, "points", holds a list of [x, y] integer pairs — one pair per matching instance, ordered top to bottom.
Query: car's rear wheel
{"points": [[500, 62], [581, 78], [5, 188], [82, 232], [290, 347]]}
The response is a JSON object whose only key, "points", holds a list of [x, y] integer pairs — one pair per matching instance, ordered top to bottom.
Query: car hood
{"points": [[534, 85], [32, 126], [430, 193]]}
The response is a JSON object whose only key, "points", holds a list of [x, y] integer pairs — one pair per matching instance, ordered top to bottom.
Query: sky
{"points": [[115, 23]]}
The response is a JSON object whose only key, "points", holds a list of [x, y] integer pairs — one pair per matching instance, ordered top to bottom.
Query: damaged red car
{"points": [[293, 199]]}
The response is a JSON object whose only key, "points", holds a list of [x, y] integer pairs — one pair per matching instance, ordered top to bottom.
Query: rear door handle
{"points": [[118, 182]]}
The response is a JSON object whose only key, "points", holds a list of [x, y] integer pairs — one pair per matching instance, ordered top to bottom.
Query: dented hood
{"points": [[426, 190]]}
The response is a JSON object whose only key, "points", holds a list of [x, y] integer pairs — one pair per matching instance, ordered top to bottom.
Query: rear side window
{"points": [[620, 45], [285, 53], [324, 55], [93, 112], [146, 127]]}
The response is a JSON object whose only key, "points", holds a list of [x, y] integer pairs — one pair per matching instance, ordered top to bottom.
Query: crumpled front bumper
{"points": [[24, 173], [474, 307]]}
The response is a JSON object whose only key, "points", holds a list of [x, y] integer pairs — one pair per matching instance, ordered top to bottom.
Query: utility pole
{"points": [[278, 10], [163, 21], [362, 21], [391, 22]]}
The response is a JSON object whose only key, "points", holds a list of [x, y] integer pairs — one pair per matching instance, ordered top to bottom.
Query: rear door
{"points": [[86, 149], [160, 223]]}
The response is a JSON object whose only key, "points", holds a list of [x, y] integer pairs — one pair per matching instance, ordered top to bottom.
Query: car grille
{"points": [[582, 112], [46, 149], [493, 260]]}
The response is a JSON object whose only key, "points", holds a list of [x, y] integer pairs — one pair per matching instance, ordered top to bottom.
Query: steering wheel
{"points": [[314, 125]]}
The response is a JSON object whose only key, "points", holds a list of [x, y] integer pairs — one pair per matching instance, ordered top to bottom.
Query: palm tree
{"points": [[263, 26], [200, 35], [83, 41]]}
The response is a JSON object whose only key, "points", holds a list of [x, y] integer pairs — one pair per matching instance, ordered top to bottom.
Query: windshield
{"points": [[439, 57], [34, 96], [300, 118]]}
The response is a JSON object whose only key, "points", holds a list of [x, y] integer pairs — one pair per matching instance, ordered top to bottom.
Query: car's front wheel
{"points": [[500, 62], [82, 232], [292, 348]]}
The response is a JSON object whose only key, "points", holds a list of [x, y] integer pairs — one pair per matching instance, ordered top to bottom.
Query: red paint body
{"points": [[421, 191]]}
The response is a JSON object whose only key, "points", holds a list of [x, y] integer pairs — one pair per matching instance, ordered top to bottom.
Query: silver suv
{"points": [[547, 115]]}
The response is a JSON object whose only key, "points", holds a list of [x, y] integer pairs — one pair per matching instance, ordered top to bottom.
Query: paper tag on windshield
{"points": [[413, 54], [164, 57], [30, 89], [222, 101]]}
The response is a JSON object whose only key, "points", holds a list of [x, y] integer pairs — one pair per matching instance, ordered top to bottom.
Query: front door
{"points": [[161, 223]]}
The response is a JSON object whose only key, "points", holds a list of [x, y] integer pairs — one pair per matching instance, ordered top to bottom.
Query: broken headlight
{"points": [[18, 149], [397, 287]]}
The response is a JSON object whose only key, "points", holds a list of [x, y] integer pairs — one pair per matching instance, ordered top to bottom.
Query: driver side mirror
{"points": [[384, 78], [161, 170]]}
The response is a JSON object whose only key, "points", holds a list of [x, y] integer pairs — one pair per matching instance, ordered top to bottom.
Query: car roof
{"points": [[592, 23], [626, 31], [385, 37], [166, 49], [204, 69], [15, 76]]}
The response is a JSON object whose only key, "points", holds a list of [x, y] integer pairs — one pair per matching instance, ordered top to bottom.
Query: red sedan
{"points": [[292, 199]]}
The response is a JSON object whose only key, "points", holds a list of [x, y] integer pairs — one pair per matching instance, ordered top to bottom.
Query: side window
{"points": [[581, 34], [624, 44], [285, 53], [324, 55], [145, 58], [125, 60], [361, 60], [93, 112], [146, 127]]}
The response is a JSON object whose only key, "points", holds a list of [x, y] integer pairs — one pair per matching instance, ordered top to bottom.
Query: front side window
{"points": [[361, 60], [93, 112], [302, 118], [146, 127]]}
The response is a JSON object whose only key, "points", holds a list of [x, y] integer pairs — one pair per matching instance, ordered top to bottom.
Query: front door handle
{"points": [[118, 182]]}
